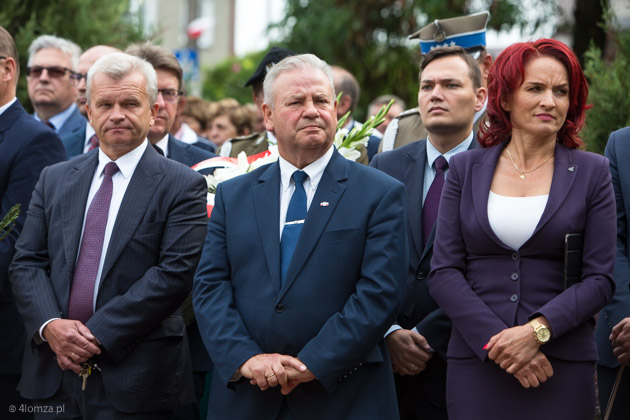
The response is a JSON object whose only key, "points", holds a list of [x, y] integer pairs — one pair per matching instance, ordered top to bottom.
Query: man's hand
{"points": [[620, 337], [72, 342], [513, 348], [409, 352], [269, 370], [535, 372], [296, 377]]}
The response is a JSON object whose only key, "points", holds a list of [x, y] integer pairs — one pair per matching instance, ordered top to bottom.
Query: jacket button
{"points": [[515, 256], [420, 275], [514, 276], [514, 298], [280, 308]]}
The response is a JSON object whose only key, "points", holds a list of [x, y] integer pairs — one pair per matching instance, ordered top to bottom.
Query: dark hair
{"points": [[8, 48], [441, 52], [160, 58], [507, 75]]}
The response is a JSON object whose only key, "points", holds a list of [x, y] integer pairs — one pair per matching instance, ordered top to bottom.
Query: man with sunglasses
{"points": [[468, 32], [52, 83], [26, 147]]}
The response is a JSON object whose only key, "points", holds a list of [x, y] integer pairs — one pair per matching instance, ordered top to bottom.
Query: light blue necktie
{"points": [[296, 214]]}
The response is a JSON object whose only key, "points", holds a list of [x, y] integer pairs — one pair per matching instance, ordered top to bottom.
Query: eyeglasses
{"points": [[55, 72], [78, 76], [170, 95]]}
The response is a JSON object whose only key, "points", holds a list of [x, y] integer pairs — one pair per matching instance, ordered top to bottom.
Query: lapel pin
{"points": [[571, 168], [324, 204]]}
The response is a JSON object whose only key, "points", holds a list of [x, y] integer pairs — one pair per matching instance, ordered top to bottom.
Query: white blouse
{"points": [[514, 219]]}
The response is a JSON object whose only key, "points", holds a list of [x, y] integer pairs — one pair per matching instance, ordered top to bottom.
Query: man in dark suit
{"points": [[169, 80], [52, 83], [449, 96], [85, 140], [26, 147], [106, 259], [293, 299], [613, 325]]}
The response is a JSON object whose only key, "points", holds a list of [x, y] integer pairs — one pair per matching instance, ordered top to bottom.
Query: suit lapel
{"points": [[414, 163], [482, 174], [564, 174], [329, 190], [140, 191], [73, 199], [267, 210]]}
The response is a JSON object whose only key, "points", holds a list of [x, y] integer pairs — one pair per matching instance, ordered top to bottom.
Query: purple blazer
{"points": [[484, 286]]}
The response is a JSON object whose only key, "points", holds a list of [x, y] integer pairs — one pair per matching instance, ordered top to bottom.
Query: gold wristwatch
{"points": [[541, 333]]}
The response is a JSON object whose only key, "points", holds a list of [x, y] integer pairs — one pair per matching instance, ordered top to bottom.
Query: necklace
{"points": [[520, 171]]}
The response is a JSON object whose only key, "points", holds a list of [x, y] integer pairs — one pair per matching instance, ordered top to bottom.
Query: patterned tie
{"points": [[93, 142], [432, 201], [296, 213], [82, 292]]}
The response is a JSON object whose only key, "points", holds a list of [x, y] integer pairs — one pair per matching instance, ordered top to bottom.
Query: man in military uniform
{"points": [[468, 32], [256, 142]]}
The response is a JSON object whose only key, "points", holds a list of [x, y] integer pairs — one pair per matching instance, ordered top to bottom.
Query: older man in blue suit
{"points": [[26, 147], [106, 259], [303, 269], [613, 326]]}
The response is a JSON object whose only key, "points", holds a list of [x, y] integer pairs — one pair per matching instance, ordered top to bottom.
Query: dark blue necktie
{"points": [[432, 200], [296, 213]]}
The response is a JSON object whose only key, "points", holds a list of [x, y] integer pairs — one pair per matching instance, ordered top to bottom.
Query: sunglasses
{"points": [[55, 72], [170, 95]]}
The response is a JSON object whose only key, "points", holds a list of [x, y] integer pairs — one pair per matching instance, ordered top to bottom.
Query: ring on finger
{"points": [[72, 355], [413, 367], [271, 375]]}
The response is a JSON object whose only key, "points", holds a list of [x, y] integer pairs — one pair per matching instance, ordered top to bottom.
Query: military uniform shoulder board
{"points": [[389, 138], [226, 148]]}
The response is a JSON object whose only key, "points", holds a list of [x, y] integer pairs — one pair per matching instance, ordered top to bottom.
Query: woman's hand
{"points": [[513, 348], [535, 372]]}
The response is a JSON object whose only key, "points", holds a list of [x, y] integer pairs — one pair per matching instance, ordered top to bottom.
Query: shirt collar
{"points": [[7, 105], [60, 119], [89, 132], [163, 144], [433, 153], [126, 163], [314, 170]]}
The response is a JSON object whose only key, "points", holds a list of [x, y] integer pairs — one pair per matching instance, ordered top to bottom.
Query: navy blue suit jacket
{"points": [[76, 122], [74, 143], [26, 147], [618, 153], [147, 274], [484, 286], [342, 291]]}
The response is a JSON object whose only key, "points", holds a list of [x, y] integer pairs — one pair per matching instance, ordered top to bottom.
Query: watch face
{"points": [[543, 335]]}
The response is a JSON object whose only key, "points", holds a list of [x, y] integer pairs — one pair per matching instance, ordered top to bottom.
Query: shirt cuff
{"points": [[393, 328], [41, 329]]}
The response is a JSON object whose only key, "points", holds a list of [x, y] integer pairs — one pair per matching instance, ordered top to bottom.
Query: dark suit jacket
{"points": [[75, 123], [74, 143], [26, 147], [186, 153], [618, 153], [407, 164], [154, 249], [484, 286], [341, 293]]}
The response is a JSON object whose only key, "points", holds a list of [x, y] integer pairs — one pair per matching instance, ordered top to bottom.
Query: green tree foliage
{"points": [[86, 22], [369, 37], [227, 79], [609, 92]]}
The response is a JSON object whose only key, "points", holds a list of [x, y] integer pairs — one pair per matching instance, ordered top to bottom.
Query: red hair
{"points": [[507, 74]]}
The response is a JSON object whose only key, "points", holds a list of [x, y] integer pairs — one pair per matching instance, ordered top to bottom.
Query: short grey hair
{"points": [[66, 46], [294, 62], [119, 65]]}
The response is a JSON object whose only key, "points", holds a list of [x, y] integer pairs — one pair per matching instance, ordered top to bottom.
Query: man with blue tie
{"points": [[52, 80], [450, 94], [26, 147], [105, 260], [303, 269]]}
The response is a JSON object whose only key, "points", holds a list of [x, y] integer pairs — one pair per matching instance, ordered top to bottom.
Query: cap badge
{"points": [[440, 33]]}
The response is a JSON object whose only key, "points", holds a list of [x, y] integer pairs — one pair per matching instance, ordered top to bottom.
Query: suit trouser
{"points": [[605, 381], [422, 396], [70, 402]]}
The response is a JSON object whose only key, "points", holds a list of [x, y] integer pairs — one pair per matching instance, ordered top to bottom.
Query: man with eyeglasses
{"points": [[468, 32], [170, 75], [52, 83], [83, 141], [26, 147]]}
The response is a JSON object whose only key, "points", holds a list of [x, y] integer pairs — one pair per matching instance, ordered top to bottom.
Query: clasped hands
{"points": [[620, 338], [72, 342], [409, 351], [517, 352], [270, 370]]}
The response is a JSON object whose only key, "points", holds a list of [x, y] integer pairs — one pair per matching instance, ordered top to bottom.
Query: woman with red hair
{"points": [[522, 344]]}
